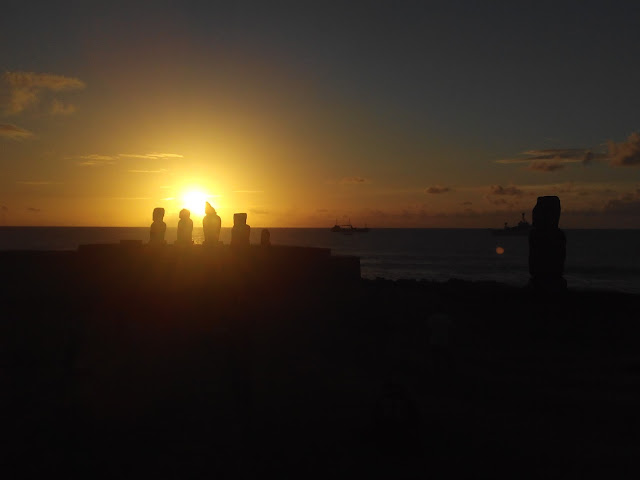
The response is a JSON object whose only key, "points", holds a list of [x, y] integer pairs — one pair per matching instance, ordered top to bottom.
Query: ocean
{"points": [[596, 259]]}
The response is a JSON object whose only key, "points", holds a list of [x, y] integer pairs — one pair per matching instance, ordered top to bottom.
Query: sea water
{"points": [[596, 259]]}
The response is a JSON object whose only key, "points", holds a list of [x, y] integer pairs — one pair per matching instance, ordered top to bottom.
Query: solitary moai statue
{"points": [[211, 224], [158, 228], [185, 228], [240, 231], [265, 238], [547, 247]]}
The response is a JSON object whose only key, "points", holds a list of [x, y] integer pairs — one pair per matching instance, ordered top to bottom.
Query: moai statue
{"points": [[211, 224], [158, 228], [185, 228], [240, 231], [265, 238], [547, 247]]}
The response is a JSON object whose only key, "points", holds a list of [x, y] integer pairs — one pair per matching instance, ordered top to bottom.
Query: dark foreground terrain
{"points": [[122, 369]]}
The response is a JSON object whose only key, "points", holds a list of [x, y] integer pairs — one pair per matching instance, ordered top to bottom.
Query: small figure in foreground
{"points": [[211, 224], [158, 228], [185, 228], [240, 232], [265, 238], [547, 247]]}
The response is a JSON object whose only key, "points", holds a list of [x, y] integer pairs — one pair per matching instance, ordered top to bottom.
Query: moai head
{"points": [[546, 213], [158, 214], [239, 219]]}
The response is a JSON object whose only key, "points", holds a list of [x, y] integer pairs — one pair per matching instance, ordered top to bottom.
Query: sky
{"points": [[301, 114]]}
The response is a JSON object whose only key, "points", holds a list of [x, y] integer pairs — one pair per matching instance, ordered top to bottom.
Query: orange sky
{"points": [[298, 128]]}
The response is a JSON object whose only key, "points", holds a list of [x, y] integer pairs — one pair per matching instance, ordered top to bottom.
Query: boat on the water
{"points": [[522, 228], [348, 229]]}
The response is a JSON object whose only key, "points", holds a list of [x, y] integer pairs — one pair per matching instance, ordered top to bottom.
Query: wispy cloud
{"points": [[26, 89], [59, 108], [13, 132], [625, 154], [565, 155], [151, 156], [554, 159], [95, 160], [99, 160], [545, 166], [161, 170], [354, 180], [36, 182], [437, 189], [499, 190], [248, 191], [507, 197], [130, 198], [627, 204], [33, 210], [258, 211]]}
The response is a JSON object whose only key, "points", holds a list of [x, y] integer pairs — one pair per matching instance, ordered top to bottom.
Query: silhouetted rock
{"points": [[211, 224], [158, 228], [185, 228], [240, 232], [265, 238], [547, 246]]}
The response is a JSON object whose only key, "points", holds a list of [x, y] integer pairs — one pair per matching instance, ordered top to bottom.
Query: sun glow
{"points": [[194, 201]]}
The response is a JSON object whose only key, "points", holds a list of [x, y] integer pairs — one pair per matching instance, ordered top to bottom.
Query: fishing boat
{"points": [[522, 228], [348, 229]]}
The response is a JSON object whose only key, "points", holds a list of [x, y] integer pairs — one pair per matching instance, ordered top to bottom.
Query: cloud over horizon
{"points": [[26, 90], [59, 108], [13, 132], [622, 154], [625, 154], [151, 156], [554, 159], [94, 160], [99, 160], [545, 166], [354, 180], [36, 182], [437, 189], [508, 191], [501, 196], [627, 204]]}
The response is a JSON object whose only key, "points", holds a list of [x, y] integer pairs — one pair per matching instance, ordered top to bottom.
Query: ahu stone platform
{"points": [[131, 265]]}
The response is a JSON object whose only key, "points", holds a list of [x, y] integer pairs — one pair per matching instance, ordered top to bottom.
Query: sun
{"points": [[194, 201]]}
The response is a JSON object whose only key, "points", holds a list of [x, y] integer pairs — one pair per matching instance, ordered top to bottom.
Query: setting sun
{"points": [[194, 201]]}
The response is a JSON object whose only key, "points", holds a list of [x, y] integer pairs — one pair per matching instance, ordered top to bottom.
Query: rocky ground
{"points": [[376, 378]]}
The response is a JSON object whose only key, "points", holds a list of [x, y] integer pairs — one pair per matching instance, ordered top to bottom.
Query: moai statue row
{"points": [[211, 227]]}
